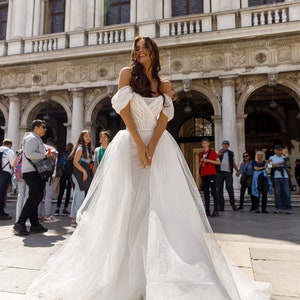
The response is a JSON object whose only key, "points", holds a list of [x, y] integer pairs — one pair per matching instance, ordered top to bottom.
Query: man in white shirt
{"points": [[6, 172], [281, 182]]}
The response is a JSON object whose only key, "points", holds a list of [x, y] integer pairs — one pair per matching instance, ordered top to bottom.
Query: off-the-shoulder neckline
{"points": [[129, 87]]}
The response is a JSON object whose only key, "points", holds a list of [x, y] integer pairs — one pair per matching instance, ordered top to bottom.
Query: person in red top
{"points": [[208, 158]]}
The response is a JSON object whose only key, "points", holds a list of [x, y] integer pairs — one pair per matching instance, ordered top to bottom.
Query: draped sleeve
{"points": [[121, 98], [168, 108]]}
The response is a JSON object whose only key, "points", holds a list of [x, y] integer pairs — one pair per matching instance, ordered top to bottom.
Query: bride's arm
{"points": [[125, 113], [162, 121]]}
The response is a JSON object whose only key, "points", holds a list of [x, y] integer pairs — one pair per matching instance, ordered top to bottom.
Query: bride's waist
{"points": [[145, 134]]}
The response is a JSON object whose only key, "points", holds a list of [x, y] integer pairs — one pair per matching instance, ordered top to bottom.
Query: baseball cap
{"points": [[226, 142], [277, 147]]}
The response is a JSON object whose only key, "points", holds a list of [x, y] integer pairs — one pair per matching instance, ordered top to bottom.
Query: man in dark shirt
{"points": [[225, 175]]}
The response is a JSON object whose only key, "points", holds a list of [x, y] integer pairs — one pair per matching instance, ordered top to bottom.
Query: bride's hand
{"points": [[150, 151], [143, 155]]}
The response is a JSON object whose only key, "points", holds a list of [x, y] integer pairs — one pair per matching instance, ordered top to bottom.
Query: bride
{"points": [[142, 231]]}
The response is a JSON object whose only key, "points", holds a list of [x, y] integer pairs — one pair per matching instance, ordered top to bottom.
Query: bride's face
{"points": [[142, 53]]}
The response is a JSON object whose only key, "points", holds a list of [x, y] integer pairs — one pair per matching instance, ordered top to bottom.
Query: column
{"points": [[19, 13], [99, 13], [78, 15], [30, 18], [38, 18], [9, 20], [229, 111], [77, 113], [14, 120], [229, 125], [217, 131], [241, 140]]}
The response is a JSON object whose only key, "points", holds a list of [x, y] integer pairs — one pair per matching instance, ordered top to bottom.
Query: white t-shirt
{"points": [[8, 159]]}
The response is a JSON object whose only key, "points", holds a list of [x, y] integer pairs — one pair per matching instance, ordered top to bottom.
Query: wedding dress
{"points": [[142, 231]]}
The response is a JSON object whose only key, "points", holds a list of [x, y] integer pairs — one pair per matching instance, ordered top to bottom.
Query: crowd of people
{"points": [[259, 177], [34, 195]]}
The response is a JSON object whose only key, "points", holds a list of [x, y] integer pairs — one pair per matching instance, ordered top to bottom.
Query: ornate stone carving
{"points": [[284, 54], [260, 57], [238, 58], [217, 61], [197, 62], [176, 65], [102, 72], [85, 73], [69, 75], [52, 76], [295, 77], [20, 78], [37, 78], [272, 79], [8, 80], [241, 84], [186, 85], [215, 87], [4, 101]]}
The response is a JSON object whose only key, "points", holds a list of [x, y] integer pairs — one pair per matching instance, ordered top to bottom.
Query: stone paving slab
{"points": [[265, 247]]}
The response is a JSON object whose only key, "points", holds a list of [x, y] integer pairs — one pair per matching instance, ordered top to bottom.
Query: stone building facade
{"points": [[235, 66]]}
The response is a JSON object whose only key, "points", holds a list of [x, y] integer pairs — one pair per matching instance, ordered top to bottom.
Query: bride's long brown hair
{"points": [[139, 81]]}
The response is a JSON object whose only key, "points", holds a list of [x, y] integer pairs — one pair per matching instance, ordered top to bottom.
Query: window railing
{"points": [[266, 15], [186, 25], [110, 35], [51, 42]]}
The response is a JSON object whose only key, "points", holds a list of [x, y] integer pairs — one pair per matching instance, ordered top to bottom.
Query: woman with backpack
{"points": [[82, 155]]}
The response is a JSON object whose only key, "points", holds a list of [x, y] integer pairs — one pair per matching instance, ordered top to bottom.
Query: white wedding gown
{"points": [[142, 231]]}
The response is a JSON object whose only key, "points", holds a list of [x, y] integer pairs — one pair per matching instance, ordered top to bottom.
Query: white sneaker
{"points": [[50, 219]]}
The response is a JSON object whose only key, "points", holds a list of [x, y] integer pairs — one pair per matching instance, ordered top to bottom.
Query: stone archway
{"points": [[198, 104], [265, 106], [55, 117]]}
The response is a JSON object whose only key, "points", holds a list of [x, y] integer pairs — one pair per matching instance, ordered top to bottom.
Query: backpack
{"points": [[1, 161], [18, 167], [67, 168]]}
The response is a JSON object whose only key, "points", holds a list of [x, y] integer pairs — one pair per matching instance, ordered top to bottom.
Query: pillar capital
{"points": [[228, 80], [77, 92], [13, 97]]}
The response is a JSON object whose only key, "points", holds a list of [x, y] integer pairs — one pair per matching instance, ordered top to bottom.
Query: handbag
{"points": [[44, 167], [83, 185]]}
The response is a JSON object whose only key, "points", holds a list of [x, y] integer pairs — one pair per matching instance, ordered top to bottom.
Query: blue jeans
{"points": [[5, 178], [227, 178], [282, 193], [78, 198]]}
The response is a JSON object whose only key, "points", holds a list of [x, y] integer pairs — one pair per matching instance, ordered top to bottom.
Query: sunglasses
{"points": [[43, 126], [245, 155]]}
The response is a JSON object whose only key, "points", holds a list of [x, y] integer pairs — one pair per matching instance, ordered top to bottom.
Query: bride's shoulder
{"points": [[125, 76], [166, 87]]}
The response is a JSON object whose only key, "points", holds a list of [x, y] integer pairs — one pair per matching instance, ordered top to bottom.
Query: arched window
{"points": [[262, 2], [187, 7], [117, 12], [55, 16], [3, 19], [195, 128]]}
